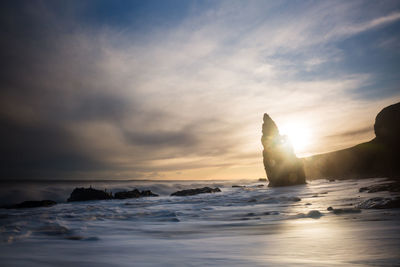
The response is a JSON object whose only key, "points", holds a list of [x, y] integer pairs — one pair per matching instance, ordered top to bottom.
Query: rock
{"points": [[387, 124], [376, 158], [282, 166], [262, 179], [241, 186], [391, 187], [191, 192], [148, 193], [85, 194], [127, 194], [134, 194], [294, 199], [380, 203], [32, 204], [344, 210], [271, 213], [313, 214], [53, 230], [74, 237]]}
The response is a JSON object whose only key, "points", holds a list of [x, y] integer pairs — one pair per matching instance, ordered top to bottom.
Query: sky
{"points": [[177, 89]]}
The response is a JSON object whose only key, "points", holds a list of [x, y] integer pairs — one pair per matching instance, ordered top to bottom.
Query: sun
{"points": [[299, 135]]}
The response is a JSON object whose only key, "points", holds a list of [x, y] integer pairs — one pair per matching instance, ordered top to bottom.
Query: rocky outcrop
{"points": [[387, 125], [376, 158], [282, 166], [390, 187], [196, 191], [86, 194], [134, 194], [380, 203], [32, 204], [343, 210]]}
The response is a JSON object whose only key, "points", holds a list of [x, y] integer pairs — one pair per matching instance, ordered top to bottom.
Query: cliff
{"points": [[376, 158]]}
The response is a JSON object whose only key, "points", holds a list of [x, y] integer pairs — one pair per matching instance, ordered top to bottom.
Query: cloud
{"points": [[352, 29], [107, 100], [353, 133]]}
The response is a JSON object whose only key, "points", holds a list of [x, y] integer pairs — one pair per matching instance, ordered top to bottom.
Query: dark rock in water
{"points": [[376, 158], [282, 166], [262, 179], [331, 180], [241, 186], [391, 187], [191, 192], [148, 193], [85, 194], [127, 194], [134, 194], [294, 199], [380, 203], [32, 204], [343, 211], [271, 213], [313, 214], [54, 230], [74, 237]]}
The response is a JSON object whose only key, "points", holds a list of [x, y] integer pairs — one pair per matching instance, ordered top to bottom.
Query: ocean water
{"points": [[251, 226]]}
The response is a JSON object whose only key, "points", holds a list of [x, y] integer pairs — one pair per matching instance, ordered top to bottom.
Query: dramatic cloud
{"points": [[175, 91]]}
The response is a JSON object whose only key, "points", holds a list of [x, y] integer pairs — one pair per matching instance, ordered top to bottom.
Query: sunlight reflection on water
{"points": [[253, 226]]}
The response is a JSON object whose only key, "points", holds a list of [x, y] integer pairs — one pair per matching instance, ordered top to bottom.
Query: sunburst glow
{"points": [[299, 135]]}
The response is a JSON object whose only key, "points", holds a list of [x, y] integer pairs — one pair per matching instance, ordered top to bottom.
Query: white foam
{"points": [[221, 229]]}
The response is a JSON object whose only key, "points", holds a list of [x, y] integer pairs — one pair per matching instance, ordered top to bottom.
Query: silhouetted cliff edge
{"points": [[379, 157]]}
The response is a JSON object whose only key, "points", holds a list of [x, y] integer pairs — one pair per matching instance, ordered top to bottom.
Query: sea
{"points": [[251, 225]]}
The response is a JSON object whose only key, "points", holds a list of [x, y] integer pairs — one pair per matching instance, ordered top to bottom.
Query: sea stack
{"points": [[282, 166]]}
